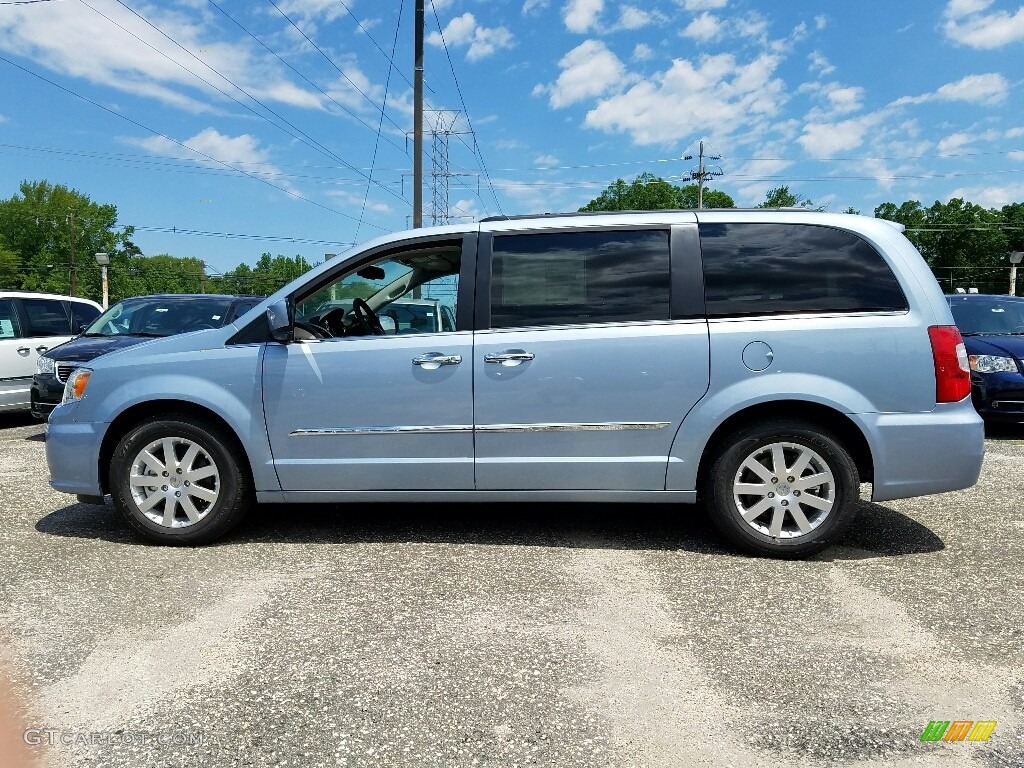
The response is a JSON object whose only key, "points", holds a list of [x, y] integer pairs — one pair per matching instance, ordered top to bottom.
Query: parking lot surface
{"points": [[511, 635]]}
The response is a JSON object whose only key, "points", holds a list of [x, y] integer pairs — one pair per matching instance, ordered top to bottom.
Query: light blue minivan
{"points": [[765, 363]]}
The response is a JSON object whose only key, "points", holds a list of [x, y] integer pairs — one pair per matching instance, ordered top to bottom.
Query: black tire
{"points": [[205, 493], [800, 516]]}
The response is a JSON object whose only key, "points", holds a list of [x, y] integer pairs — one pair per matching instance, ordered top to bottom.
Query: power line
{"points": [[297, 72], [136, 123], [315, 144]]}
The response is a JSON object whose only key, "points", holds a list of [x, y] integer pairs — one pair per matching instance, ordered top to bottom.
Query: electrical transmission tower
{"points": [[442, 129], [702, 172]]}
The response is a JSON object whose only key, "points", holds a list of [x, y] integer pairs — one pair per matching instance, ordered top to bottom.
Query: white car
{"points": [[30, 324]]}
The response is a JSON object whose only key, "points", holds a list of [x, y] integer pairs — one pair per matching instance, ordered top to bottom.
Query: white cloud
{"points": [[439, 5], [700, 5], [530, 6], [327, 10], [581, 15], [632, 17], [820, 22], [968, 24], [704, 27], [76, 41], [481, 41], [642, 52], [820, 64], [588, 70], [989, 89], [714, 97], [844, 100], [1015, 133], [823, 140], [953, 143], [1017, 155], [546, 160], [990, 197], [356, 201]]}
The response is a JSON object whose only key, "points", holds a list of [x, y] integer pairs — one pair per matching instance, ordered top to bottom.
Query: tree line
{"points": [[49, 235]]}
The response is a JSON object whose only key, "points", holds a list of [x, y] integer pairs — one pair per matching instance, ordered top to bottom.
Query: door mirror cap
{"points": [[281, 320]]}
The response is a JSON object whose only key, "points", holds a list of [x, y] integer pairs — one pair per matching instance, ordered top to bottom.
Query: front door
{"points": [[354, 410]]}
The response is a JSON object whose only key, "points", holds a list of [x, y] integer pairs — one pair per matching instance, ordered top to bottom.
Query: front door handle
{"points": [[40, 350], [509, 357], [432, 360]]}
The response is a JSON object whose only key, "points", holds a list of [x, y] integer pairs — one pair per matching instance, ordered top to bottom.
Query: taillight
{"points": [[952, 370]]}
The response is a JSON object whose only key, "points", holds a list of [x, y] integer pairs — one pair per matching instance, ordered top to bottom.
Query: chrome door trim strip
{"points": [[496, 428]]}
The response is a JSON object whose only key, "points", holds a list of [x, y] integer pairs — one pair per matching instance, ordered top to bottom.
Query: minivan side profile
{"points": [[30, 324], [740, 359]]}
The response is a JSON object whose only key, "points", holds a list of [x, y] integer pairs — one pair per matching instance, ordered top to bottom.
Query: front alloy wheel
{"points": [[179, 481]]}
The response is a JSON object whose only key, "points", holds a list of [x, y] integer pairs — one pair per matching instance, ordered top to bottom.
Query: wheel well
{"points": [[154, 408], [828, 419]]}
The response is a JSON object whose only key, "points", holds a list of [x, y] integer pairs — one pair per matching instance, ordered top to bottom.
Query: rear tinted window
{"points": [[758, 269], [580, 277], [83, 315]]}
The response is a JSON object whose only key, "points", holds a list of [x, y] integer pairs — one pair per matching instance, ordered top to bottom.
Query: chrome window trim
{"points": [[452, 428]]}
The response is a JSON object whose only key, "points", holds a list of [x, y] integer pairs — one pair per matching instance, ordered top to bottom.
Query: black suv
{"points": [[125, 324]]}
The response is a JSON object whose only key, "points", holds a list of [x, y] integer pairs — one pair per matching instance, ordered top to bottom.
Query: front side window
{"points": [[760, 269], [565, 278], [412, 290], [46, 317], [9, 326]]}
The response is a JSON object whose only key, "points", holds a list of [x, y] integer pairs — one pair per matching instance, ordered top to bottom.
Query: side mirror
{"points": [[281, 320]]}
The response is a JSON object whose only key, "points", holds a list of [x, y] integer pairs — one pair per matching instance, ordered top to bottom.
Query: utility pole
{"points": [[417, 125], [702, 173], [1015, 258], [74, 272]]}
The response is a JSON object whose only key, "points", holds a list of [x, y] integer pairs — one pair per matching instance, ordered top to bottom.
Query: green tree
{"points": [[648, 192], [782, 197], [712, 198], [55, 232], [10, 268], [269, 274]]}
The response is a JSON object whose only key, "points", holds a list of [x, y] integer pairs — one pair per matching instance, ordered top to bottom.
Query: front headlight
{"points": [[44, 364], [992, 364], [76, 385]]}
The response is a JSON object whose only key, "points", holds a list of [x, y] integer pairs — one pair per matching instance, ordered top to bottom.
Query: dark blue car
{"points": [[993, 330]]}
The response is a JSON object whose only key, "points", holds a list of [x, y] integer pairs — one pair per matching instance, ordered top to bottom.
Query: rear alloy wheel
{"points": [[178, 482], [782, 489]]}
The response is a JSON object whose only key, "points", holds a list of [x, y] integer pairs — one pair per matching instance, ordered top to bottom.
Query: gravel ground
{"points": [[511, 635]]}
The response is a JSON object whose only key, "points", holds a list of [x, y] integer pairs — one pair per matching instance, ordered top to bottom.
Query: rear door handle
{"points": [[23, 350], [509, 357], [433, 360]]}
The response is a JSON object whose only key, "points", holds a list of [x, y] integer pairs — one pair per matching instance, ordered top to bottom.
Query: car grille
{"points": [[64, 370]]}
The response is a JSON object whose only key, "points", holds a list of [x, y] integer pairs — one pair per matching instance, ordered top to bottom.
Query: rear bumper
{"points": [[925, 453]]}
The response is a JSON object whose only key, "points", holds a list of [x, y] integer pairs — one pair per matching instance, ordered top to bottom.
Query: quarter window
{"points": [[759, 269], [567, 278], [83, 315], [46, 317]]}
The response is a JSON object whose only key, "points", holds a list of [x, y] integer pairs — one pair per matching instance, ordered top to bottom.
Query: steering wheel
{"points": [[364, 320], [333, 321]]}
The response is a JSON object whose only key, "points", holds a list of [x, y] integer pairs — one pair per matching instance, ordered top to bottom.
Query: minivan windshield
{"points": [[161, 316], [988, 317]]}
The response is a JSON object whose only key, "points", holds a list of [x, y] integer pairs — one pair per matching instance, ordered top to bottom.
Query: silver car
{"points": [[743, 360]]}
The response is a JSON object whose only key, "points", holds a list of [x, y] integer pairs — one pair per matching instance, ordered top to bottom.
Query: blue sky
{"points": [[225, 128]]}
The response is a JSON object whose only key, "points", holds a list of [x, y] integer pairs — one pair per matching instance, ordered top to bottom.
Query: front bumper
{"points": [[45, 395], [998, 396], [72, 453]]}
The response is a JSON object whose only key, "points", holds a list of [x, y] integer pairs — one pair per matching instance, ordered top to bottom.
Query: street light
{"points": [[1015, 258], [103, 260]]}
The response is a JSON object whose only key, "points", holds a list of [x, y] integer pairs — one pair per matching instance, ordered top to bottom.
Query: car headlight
{"points": [[44, 364], [992, 364], [76, 385]]}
